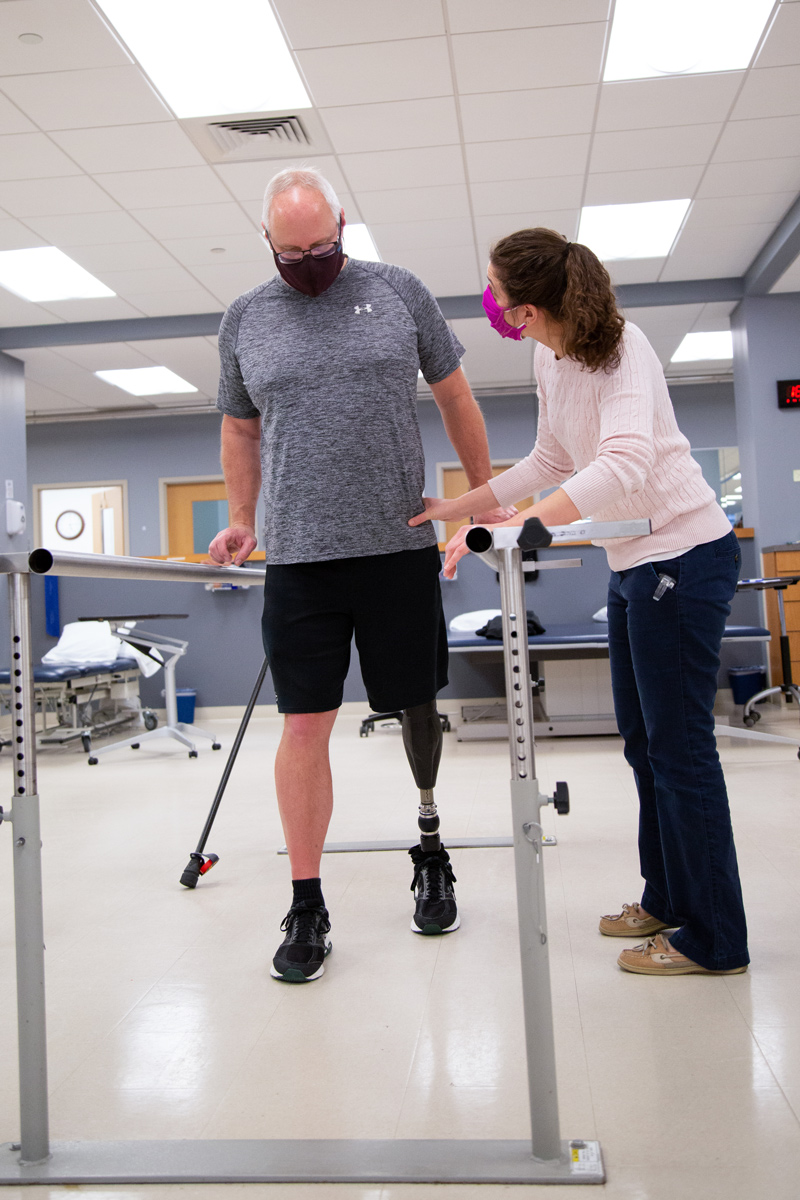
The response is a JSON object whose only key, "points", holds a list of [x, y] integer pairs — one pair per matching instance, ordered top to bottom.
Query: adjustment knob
{"points": [[561, 798]]}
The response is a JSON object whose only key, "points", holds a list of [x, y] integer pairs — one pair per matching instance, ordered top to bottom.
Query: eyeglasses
{"points": [[296, 256]]}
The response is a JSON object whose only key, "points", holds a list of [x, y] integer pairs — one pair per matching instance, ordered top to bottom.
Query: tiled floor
{"points": [[163, 1021]]}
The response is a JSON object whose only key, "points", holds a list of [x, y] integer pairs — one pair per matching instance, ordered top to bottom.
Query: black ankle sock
{"points": [[309, 890]]}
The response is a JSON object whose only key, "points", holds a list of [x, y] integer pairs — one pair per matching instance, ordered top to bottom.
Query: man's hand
{"points": [[233, 545]]}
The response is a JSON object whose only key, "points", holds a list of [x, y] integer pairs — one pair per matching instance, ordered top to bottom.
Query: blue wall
{"points": [[223, 628]]}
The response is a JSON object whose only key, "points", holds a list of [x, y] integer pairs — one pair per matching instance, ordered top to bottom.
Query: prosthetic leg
{"points": [[436, 910]]}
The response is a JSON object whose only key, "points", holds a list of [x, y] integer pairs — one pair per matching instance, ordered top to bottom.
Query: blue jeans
{"points": [[664, 663]]}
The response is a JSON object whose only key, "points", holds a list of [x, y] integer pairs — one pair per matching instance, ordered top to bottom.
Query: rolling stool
{"points": [[788, 688]]}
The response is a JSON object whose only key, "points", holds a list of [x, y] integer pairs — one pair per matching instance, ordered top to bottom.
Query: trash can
{"points": [[746, 681], [186, 700]]}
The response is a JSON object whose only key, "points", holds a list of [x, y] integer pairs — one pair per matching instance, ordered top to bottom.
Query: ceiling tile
{"points": [[476, 16], [320, 23], [74, 37], [780, 47], [518, 58], [402, 70], [772, 92], [85, 99], [648, 103], [556, 111], [11, 119], [395, 125], [765, 137], [676, 146], [129, 147], [33, 156], [527, 158], [429, 166], [749, 178], [248, 180], [638, 187], [160, 189], [527, 195], [54, 197], [414, 204], [741, 210], [195, 220], [89, 229], [491, 229], [420, 235], [15, 236], [727, 251], [197, 252], [122, 256], [634, 270], [448, 271], [172, 278], [229, 280], [168, 304], [109, 308], [16, 311], [714, 316], [674, 318], [665, 345], [105, 356], [191, 358], [493, 360], [59, 373], [41, 399]]}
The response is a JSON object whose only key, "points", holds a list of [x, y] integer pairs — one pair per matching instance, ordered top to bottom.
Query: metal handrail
{"points": [[118, 566]]}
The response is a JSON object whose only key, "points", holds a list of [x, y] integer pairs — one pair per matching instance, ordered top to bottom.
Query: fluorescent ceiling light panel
{"points": [[654, 38], [208, 58], [617, 231], [357, 241], [45, 273], [701, 347], [147, 381]]}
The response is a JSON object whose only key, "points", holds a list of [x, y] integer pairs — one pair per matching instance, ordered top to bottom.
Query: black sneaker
{"points": [[433, 881], [301, 954]]}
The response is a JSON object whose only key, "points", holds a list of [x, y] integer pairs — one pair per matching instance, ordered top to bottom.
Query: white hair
{"points": [[299, 177]]}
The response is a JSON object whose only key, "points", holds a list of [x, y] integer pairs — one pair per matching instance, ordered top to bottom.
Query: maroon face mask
{"points": [[312, 276]]}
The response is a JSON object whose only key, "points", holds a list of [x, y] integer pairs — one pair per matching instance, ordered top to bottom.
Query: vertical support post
{"points": [[526, 802], [28, 914]]}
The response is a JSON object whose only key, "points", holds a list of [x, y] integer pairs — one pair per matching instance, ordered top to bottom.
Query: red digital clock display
{"points": [[789, 393]]}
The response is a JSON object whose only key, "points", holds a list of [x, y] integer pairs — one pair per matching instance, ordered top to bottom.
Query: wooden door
{"points": [[455, 484], [195, 514]]}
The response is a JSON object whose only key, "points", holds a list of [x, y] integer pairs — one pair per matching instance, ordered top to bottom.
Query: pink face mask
{"points": [[497, 318]]}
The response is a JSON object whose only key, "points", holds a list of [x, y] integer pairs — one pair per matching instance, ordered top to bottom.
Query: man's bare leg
{"points": [[305, 788]]}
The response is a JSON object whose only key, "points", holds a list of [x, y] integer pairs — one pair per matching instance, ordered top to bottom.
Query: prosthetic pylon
{"points": [[422, 738]]}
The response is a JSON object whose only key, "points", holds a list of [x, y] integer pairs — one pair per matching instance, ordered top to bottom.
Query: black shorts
{"points": [[393, 605]]}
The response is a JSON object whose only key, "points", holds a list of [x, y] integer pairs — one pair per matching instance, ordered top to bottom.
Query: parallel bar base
{"points": [[603, 725], [754, 735], [484, 843], [301, 1161]]}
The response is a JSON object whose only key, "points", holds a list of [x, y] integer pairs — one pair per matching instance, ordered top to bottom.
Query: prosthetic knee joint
{"points": [[422, 738]]}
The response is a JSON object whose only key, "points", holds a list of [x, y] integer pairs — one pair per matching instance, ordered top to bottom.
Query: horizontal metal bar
{"points": [[678, 291], [91, 333], [592, 530], [15, 563], [550, 564], [113, 566], [484, 843], [300, 1160]]}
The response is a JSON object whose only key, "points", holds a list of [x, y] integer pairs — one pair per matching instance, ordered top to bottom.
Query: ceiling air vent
{"points": [[254, 136]]}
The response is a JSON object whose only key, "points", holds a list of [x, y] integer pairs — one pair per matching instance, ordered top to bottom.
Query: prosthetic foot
{"points": [[436, 910]]}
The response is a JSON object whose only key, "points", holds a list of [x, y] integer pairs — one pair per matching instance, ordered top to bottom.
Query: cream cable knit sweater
{"points": [[614, 439]]}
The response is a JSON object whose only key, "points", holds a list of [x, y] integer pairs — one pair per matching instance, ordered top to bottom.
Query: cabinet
{"points": [[783, 560]]}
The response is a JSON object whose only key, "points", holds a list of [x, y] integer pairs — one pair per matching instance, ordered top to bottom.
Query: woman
{"points": [[607, 434]]}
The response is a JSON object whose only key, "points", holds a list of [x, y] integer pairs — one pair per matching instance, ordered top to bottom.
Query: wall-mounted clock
{"points": [[70, 525]]}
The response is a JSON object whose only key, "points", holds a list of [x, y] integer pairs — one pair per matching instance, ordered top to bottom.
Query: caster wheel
{"points": [[751, 719], [150, 720], [446, 726], [86, 742], [134, 745], [216, 745], [192, 754], [92, 762]]}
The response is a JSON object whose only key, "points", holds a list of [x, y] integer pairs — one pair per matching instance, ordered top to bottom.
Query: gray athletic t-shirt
{"points": [[334, 380]]}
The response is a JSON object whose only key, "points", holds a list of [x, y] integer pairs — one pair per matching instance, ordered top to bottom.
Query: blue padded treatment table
{"points": [[584, 635], [58, 672]]}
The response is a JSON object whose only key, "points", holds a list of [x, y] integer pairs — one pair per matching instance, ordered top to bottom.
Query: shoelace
{"points": [[433, 880], [305, 923]]}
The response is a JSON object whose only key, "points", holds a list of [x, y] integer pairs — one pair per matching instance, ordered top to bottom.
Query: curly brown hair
{"points": [[567, 280]]}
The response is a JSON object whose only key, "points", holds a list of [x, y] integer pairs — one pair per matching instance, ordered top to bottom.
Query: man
{"points": [[318, 390]]}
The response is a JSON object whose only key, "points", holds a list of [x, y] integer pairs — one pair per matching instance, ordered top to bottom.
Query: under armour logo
{"points": [[359, 308]]}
